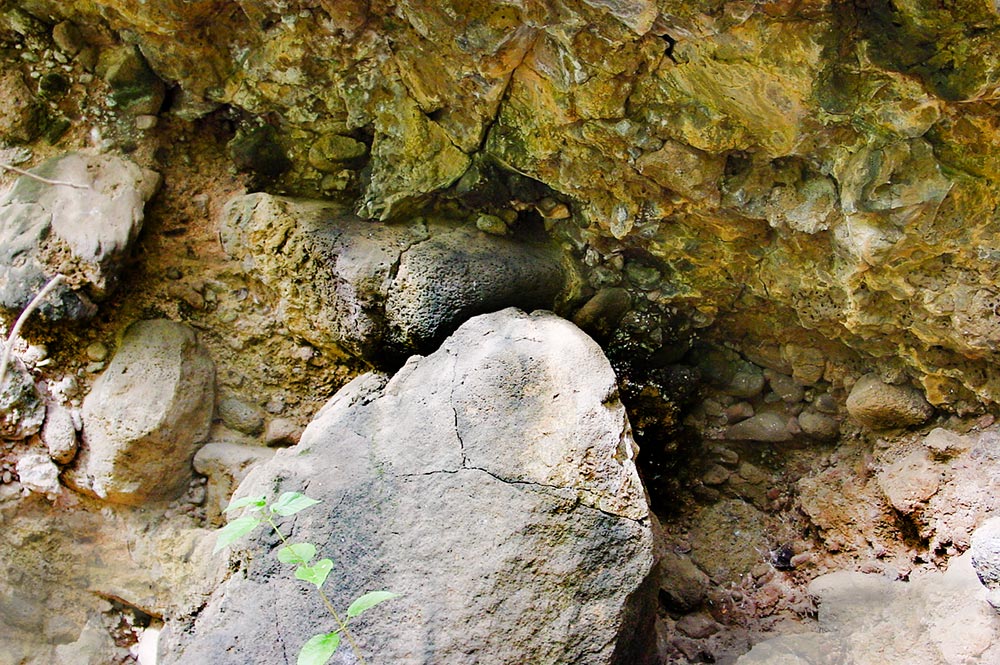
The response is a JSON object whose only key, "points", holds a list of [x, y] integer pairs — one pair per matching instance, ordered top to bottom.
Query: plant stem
{"points": [[47, 181], [16, 329], [326, 601]]}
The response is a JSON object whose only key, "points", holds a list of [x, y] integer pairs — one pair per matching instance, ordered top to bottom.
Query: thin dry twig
{"points": [[39, 178], [16, 330]]}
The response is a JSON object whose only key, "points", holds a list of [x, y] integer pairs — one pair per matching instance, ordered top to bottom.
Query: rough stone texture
{"points": [[786, 183], [83, 233], [382, 291], [880, 405], [22, 409], [145, 416], [771, 427], [59, 434], [226, 465], [37, 473], [910, 481], [491, 483], [985, 553], [57, 612], [937, 619]]}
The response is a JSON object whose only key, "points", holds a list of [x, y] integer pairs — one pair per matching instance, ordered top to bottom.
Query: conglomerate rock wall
{"points": [[828, 166]]}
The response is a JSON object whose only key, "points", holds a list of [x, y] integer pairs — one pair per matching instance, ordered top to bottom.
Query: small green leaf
{"points": [[256, 501], [290, 503], [235, 530], [301, 553], [316, 573], [368, 601], [318, 649]]}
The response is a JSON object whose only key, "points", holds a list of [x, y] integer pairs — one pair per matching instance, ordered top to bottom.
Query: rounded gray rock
{"points": [[881, 405], [146, 415]]}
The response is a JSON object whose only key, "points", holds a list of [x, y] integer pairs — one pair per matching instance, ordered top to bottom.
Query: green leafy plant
{"points": [[319, 648]]}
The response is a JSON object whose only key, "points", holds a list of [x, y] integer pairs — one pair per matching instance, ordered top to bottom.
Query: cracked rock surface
{"points": [[492, 484]]}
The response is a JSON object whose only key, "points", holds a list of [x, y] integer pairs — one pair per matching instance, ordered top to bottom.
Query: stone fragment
{"points": [[67, 37], [135, 89], [21, 116], [332, 151], [491, 224], [84, 233], [383, 292], [601, 314], [808, 364], [745, 385], [785, 386], [880, 405], [22, 409], [738, 412], [146, 415], [240, 415], [819, 425], [767, 427], [282, 432], [59, 434], [943, 443], [225, 465], [37, 473], [715, 475], [910, 481], [492, 484], [683, 585], [698, 626]]}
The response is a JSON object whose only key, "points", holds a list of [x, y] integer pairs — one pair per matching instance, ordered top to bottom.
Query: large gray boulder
{"points": [[83, 231], [383, 291], [145, 416], [492, 484]]}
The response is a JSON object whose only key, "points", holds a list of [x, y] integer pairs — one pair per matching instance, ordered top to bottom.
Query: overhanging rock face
{"points": [[381, 291], [492, 484]]}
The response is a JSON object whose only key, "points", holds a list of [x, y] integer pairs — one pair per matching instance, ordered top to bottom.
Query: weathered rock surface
{"points": [[83, 231], [383, 291], [880, 405], [22, 409], [146, 415], [225, 465], [910, 481], [491, 483], [985, 553], [61, 570], [937, 619]]}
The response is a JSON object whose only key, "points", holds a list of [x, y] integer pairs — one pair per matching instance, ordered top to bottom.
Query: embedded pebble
{"points": [[491, 224], [97, 352], [746, 385], [787, 388], [826, 403], [881, 405], [739, 411], [241, 416], [819, 425], [767, 427], [282, 432], [715, 475], [697, 626]]}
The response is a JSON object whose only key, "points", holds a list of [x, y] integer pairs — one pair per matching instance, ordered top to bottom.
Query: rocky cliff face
{"points": [[777, 219]]}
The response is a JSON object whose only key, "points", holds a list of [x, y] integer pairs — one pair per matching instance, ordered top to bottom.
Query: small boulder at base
{"points": [[880, 405], [146, 415], [492, 484]]}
